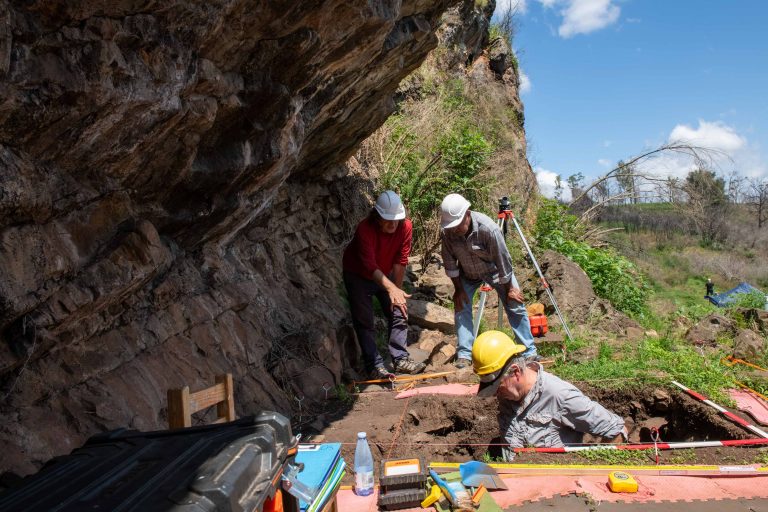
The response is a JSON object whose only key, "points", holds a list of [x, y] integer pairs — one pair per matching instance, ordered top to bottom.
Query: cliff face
{"points": [[174, 200]]}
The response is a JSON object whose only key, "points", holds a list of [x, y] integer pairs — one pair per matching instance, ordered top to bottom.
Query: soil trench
{"points": [[443, 428]]}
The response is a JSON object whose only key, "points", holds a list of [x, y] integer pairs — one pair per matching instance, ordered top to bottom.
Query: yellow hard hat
{"points": [[491, 353]]}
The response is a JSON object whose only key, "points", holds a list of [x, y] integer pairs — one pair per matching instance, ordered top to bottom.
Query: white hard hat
{"points": [[389, 206], [452, 210]]}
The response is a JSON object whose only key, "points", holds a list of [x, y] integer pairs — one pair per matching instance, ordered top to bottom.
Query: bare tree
{"points": [[506, 25], [626, 179], [632, 181], [735, 187], [558, 188], [669, 190], [602, 191], [757, 199], [706, 204]]}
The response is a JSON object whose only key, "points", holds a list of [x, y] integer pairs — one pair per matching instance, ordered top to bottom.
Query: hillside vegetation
{"points": [[458, 128], [462, 130], [673, 264]]}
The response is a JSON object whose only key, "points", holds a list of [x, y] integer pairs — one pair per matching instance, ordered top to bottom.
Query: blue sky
{"points": [[605, 79]]}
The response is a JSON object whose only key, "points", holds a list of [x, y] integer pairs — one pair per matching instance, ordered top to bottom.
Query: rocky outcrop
{"points": [[173, 204], [577, 300], [430, 316], [709, 329], [749, 345]]}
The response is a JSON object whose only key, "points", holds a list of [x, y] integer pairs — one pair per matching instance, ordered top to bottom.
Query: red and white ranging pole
{"points": [[728, 414]]}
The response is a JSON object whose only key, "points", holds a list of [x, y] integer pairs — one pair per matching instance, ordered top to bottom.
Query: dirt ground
{"points": [[443, 428]]}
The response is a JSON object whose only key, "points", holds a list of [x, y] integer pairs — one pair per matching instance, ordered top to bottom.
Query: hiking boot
{"points": [[462, 362], [409, 366], [379, 373]]}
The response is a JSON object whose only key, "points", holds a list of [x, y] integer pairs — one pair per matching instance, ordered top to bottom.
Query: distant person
{"points": [[474, 252], [374, 266], [710, 288], [536, 408]]}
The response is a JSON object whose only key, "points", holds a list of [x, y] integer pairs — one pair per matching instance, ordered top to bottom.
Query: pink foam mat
{"points": [[443, 389], [750, 404], [650, 489]]}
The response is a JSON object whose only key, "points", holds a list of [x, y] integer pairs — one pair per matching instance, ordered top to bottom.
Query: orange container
{"points": [[538, 325], [274, 504]]}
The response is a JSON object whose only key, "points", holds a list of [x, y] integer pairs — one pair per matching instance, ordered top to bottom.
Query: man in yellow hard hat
{"points": [[536, 408]]}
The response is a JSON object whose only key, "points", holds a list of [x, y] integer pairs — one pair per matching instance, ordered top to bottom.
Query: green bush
{"points": [[423, 175], [613, 277], [753, 299]]}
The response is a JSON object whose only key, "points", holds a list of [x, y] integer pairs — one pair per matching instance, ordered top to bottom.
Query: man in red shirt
{"points": [[374, 265]]}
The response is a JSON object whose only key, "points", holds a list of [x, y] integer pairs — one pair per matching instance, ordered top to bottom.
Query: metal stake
{"points": [[326, 387], [299, 400]]}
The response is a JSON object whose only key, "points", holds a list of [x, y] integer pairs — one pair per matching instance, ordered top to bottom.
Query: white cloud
{"points": [[517, 6], [584, 16], [525, 83], [716, 135], [607, 143], [732, 152], [605, 162], [546, 180]]}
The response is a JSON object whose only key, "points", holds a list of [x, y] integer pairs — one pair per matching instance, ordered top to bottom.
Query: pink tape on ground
{"points": [[443, 389], [750, 404], [650, 489], [348, 501]]}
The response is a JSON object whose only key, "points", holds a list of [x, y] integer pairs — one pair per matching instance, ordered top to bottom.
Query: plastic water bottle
{"points": [[766, 302], [363, 466]]}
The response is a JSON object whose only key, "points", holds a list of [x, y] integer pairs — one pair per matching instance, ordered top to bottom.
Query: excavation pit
{"points": [[460, 428]]}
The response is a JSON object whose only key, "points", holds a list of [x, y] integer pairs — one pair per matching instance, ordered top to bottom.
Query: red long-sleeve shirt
{"points": [[373, 249]]}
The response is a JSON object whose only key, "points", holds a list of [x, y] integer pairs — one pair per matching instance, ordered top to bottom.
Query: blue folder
{"points": [[320, 461], [331, 486]]}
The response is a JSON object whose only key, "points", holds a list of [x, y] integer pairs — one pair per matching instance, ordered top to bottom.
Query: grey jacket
{"points": [[480, 254], [552, 414]]}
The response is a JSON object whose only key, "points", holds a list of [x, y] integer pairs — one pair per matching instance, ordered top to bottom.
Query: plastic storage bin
{"points": [[539, 325], [231, 467]]}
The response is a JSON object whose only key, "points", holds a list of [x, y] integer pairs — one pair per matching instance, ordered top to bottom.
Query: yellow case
{"points": [[402, 467], [619, 481]]}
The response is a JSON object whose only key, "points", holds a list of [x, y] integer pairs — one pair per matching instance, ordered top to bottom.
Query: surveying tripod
{"points": [[502, 220]]}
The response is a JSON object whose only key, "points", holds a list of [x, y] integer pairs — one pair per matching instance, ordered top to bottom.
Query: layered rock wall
{"points": [[176, 191], [173, 204]]}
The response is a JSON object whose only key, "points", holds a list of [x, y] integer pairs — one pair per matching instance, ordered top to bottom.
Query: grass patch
{"points": [[654, 362], [342, 394], [616, 457], [681, 457], [762, 458], [489, 459]]}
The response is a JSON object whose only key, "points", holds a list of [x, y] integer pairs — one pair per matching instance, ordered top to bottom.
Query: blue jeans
{"points": [[360, 292], [516, 314]]}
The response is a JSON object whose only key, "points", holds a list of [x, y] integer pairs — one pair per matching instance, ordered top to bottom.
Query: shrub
{"points": [[423, 172], [613, 277], [753, 299]]}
